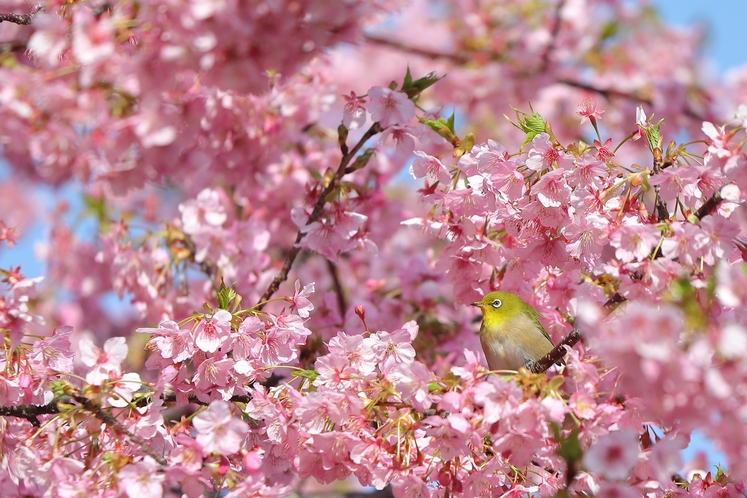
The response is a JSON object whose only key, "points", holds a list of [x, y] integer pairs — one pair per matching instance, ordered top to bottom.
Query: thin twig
{"points": [[18, 18], [553, 37], [7, 47], [423, 52], [607, 93], [610, 93], [659, 205], [709, 206], [316, 213], [341, 304], [559, 351], [556, 354], [30, 412], [112, 422]]}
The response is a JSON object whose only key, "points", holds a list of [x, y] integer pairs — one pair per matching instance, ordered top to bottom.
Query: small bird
{"points": [[511, 333]]}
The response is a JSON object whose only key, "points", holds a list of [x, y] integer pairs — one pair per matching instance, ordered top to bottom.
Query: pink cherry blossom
{"points": [[389, 107], [590, 109], [354, 113], [403, 139], [542, 155], [425, 166], [213, 179], [552, 189], [205, 210], [716, 234], [634, 242], [301, 302], [212, 332], [171, 341], [393, 348], [54, 352], [104, 362], [412, 382], [123, 389], [218, 430], [613, 455], [141, 479]]}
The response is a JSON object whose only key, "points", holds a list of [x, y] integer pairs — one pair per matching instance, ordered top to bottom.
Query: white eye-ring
{"points": [[496, 303]]}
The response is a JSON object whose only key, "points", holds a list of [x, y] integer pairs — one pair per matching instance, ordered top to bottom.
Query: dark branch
{"points": [[18, 18], [553, 37], [7, 47], [423, 52], [607, 93], [610, 93], [659, 205], [709, 206], [316, 213], [612, 303], [341, 304], [556, 354], [30, 412], [112, 422]]}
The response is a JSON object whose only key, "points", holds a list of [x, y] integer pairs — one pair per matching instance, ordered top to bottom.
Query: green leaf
{"points": [[609, 30], [408, 79], [419, 84], [450, 122], [532, 124], [442, 127], [342, 134], [465, 146], [361, 161], [315, 174], [225, 296], [305, 374], [569, 448]]}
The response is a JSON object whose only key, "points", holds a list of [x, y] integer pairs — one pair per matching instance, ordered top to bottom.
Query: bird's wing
{"points": [[535, 316]]}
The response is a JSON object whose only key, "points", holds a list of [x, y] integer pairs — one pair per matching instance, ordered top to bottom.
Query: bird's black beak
{"points": [[478, 304]]}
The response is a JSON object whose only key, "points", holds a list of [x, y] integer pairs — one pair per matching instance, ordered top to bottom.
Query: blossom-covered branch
{"points": [[317, 210]]}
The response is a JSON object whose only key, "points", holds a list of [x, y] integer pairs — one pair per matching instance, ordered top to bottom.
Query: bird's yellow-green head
{"points": [[498, 307]]}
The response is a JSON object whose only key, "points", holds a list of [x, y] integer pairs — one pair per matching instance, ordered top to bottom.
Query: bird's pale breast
{"points": [[514, 343]]}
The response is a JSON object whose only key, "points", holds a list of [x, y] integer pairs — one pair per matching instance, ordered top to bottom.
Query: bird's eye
{"points": [[497, 303]]}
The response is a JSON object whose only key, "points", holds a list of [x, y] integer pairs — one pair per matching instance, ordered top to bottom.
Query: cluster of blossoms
{"points": [[212, 172]]}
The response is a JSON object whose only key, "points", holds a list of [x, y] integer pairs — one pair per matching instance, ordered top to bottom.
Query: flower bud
{"points": [[360, 311]]}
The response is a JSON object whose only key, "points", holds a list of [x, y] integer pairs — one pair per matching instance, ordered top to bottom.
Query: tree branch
{"points": [[18, 18], [553, 37], [7, 47], [423, 52], [607, 93], [610, 93], [659, 205], [709, 206], [316, 213], [341, 304], [559, 351], [556, 354], [30, 412], [116, 426]]}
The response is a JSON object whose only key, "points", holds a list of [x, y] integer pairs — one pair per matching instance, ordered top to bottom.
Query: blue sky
{"points": [[724, 20]]}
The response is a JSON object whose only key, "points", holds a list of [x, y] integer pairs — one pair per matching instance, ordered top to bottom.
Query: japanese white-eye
{"points": [[511, 333]]}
